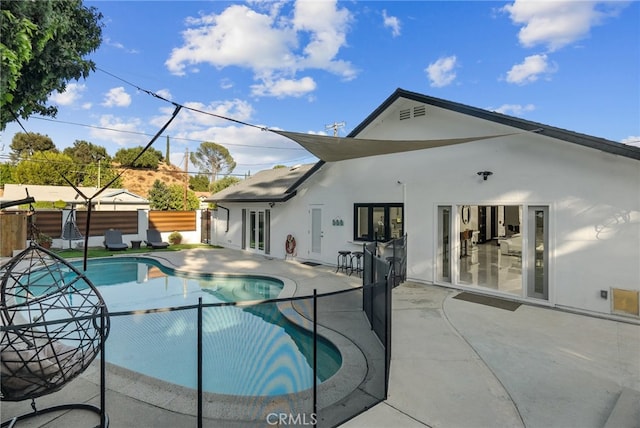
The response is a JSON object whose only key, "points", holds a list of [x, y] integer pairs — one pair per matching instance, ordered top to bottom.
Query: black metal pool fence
{"points": [[356, 321]]}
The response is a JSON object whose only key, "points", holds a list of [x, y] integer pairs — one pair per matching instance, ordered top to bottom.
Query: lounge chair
{"points": [[113, 240], [154, 240]]}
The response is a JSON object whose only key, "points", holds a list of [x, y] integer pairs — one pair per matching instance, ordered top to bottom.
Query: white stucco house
{"points": [[490, 203]]}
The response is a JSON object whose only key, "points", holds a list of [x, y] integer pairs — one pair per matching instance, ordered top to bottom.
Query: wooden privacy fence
{"points": [[126, 221], [169, 221], [48, 222], [51, 222]]}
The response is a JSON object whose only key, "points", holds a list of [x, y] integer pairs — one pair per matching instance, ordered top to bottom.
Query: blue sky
{"points": [[303, 65]]}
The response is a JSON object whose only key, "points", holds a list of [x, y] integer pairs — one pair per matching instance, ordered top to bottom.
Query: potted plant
{"points": [[175, 238], [44, 240]]}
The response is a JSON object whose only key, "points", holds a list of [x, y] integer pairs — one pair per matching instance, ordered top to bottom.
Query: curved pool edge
{"points": [[180, 399]]}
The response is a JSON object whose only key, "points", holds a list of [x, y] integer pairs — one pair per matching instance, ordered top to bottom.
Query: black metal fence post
{"points": [[315, 356], [200, 362], [103, 369]]}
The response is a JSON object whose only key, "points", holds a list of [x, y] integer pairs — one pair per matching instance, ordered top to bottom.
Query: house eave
{"points": [[596, 143], [250, 200]]}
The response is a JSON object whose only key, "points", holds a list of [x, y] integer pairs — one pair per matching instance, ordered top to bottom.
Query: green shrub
{"points": [[175, 238]]}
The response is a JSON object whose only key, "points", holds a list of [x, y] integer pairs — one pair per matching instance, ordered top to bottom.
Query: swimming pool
{"points": [[248, 350]]}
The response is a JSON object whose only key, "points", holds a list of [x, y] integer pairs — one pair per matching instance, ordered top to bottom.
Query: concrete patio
{"points": [[454, 363]]}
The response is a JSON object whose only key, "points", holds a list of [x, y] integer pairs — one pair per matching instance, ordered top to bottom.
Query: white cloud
{"points": [[391, 22], [558, 23], [327, 28], [119, 45], [271, 45], [530, 70], [441, 72], [226, 83], [284, 87], [72, 93], [165, 93], [117, 97], [514, 109], [189, 120], [123, 132], [632, 140], [252, 149]]}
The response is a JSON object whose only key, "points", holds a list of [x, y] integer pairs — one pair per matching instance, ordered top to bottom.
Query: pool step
{"points": [[626, 411]]}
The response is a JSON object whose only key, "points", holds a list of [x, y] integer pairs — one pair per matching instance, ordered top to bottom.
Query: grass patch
{"points": [[103, 252]]}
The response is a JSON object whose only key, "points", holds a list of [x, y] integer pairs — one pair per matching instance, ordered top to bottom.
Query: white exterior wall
{"points": [[593, 199]]}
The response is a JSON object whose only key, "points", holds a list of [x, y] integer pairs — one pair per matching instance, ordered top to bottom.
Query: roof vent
{"points": [[419, 111], [405, 114]]}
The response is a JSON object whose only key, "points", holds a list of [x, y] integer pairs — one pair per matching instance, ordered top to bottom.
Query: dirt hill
{"points": [[139, 181]]}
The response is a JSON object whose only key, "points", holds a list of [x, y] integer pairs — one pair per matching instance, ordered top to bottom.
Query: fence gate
{"points": [[205, 226]]}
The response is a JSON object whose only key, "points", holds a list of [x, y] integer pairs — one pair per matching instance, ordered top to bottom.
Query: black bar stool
{"points": [[344, 261], [357, 267]]}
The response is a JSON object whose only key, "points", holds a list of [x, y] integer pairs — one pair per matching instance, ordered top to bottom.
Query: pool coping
{"points": [[181, 399]]}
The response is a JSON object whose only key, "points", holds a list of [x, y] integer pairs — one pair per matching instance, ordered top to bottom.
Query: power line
{"points": [[155, 95], [150, 135]]}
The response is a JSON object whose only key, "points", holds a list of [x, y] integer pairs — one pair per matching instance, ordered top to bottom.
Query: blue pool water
{"points": [[248, 350]]}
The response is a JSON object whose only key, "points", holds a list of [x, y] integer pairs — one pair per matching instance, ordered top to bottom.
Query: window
{"points": [[378, 222]]}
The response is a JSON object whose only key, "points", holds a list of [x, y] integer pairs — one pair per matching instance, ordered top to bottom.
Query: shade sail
{"points": [[332, 149]]}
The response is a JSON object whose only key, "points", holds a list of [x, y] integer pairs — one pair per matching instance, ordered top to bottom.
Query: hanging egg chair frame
{"points": [[53, 324]]}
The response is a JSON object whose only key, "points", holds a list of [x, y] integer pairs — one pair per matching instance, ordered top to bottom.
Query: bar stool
{"points": [[344, 261], [357, 267]]}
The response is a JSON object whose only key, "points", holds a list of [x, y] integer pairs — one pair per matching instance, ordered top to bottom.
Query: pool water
{"points": [[247, 350]]}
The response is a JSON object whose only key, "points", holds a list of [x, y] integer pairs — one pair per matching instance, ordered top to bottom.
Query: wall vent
{"points": [[419, 111], [405, 114], [625, 302]]}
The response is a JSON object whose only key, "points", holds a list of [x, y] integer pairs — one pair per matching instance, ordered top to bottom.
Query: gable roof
{"points": [[597, 143], [271, 185], [41, 193]]}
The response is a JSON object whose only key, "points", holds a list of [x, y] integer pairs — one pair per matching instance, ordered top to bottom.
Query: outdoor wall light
{"points": [[485, 174], [272, 204]]}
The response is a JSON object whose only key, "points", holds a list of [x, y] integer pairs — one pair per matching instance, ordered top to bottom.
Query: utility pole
{"points": [[335, 126], [167, 159], [186, 178]]}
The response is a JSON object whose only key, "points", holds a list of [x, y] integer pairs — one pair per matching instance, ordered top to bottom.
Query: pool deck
{"points": [[454, 363]]}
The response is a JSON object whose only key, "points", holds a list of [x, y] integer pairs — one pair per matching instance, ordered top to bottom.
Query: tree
{"points": [[43, 45], [26, 144], [85, 152], [149, 159], [213, 159], [91, 160], [46, 168], [6, 173], [88, 175], [199, 183], [223, 183], [159, 198], [165, 198], [177, 198]]}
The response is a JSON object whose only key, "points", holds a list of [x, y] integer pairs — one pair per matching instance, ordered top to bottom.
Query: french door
{"points": [[258, 231], [538, 253]]}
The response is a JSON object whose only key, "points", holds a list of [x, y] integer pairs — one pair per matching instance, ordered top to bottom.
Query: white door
{"points": [[316, 232]]}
